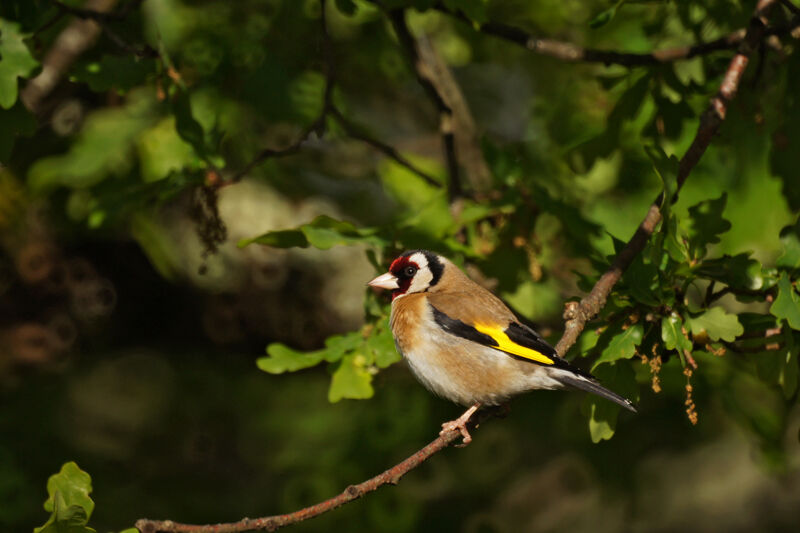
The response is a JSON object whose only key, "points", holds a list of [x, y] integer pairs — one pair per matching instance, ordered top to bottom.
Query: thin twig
{"points": [[102, 18], [398, 19], [570, 52], [329, 110], [358, 133], [467, 141], [577, 314], [271, 523]]}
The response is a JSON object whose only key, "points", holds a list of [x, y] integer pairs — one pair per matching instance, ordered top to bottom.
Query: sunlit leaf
{"points": [[16, 61], [104, 147], [323, 232], [790, 239], [787, 304], [717, 324], [673, 336], [381, 344], [622, 345], [284, 359], [351, 380], [603, 413], [68, 501]]}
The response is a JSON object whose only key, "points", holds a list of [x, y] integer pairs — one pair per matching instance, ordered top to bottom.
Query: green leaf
{"points": [[604, 17], [16, 61], [186, 125], [104, 147], [162, 151], [666, 168], [706, 224], [323, 232], [790, 239], [673, 241], [739, 271], [643, 281], [787, 305], [717, 324], [672, 335], [338, 345], [622, 345], [383, 349], [283, 359], [351, 380], [603, 413], [602, 419], [74, 485], [68, 501], [65, 519]]}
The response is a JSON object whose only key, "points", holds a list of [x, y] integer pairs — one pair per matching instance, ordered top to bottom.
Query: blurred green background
{"points": [[131, 323]]}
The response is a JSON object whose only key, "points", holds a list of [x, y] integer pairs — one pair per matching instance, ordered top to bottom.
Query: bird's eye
{"points": [[410, 271]]}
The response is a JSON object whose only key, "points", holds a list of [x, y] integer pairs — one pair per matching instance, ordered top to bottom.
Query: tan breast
{"points": [[457, 369]]}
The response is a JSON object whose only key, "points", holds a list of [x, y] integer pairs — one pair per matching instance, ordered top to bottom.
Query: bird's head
{"points": [[413, 271]]}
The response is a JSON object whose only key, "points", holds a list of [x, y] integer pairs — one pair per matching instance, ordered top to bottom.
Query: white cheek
{"points": [[421, 281]]}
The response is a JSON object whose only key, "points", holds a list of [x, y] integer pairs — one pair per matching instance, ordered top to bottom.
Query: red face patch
{"points": [[400, 269]]}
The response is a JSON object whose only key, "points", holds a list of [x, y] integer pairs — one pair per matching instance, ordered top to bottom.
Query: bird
{"points": [[465, 345]]}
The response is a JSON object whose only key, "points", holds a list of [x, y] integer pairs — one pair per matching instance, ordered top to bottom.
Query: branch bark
{"points": [[75, 39], [569, 52], [426, 79], [467, 142], [576, 314]]}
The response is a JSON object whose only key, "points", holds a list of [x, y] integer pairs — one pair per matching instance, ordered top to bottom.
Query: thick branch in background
{"points": [[75, 39], [566, 51], [425, 76], [468, 146], [577, 314]]}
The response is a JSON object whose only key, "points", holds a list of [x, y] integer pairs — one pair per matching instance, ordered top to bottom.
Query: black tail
{"points": [[591, 385]]}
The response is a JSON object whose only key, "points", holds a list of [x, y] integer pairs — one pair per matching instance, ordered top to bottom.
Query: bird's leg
{"points": [[460, 424]]}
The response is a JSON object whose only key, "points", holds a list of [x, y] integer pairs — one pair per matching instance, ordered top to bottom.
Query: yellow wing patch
{"points": [[507, 345]]}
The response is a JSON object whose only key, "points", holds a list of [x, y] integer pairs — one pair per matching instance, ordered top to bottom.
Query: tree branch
{"points": [[75, 39], [573, 53], [426, 79], [329, 110], [357, 133], [467, 142], [576, 314], [353, 492]]}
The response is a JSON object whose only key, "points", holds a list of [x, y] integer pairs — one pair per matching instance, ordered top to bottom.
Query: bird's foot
{"points": [[460, 424]]}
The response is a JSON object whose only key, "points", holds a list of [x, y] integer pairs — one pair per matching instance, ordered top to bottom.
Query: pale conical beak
{"points": [[385, 281]]}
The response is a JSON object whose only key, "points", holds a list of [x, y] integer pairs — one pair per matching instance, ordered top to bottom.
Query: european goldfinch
{"points": [[465, 345]]}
